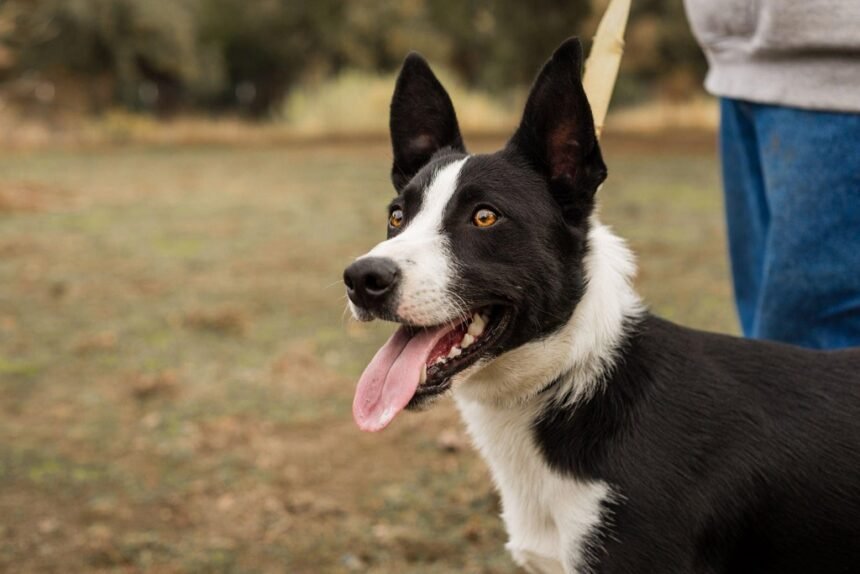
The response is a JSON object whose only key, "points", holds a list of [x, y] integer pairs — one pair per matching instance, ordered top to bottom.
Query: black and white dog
{"points": [[619, 442]]}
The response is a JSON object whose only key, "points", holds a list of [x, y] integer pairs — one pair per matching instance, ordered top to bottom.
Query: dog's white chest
{"points": [[548, 516]]}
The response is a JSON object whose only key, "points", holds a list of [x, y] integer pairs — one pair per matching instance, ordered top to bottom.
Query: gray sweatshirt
{"points": [[802, 53]]}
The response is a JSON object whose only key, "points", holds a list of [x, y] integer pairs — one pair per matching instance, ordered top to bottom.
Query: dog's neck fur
{"points": [[575, 358], [552, 519]]}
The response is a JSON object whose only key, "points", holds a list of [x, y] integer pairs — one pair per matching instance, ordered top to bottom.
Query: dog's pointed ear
{"points": [[422, 120], [557, 134]]}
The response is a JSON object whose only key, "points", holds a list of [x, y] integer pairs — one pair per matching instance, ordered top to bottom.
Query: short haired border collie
{"points": [[619, 442]]}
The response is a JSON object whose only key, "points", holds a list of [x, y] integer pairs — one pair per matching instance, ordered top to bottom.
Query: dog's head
{"points": [[484, 252]]}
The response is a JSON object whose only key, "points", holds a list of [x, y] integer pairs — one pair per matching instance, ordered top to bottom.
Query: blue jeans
{"points": [[792, 193]]}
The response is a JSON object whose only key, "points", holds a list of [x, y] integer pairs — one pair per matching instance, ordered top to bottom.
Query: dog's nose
{"points": [[370, 280]]}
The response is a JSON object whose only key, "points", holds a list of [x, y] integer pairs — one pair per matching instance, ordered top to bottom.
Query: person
{"points": [[787, 73]]}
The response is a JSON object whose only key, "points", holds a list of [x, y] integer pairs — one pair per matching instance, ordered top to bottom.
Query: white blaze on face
{"points": [[423, 253]]}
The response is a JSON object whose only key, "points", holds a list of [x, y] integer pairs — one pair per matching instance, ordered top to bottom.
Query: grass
{"points": [[176, 370]]}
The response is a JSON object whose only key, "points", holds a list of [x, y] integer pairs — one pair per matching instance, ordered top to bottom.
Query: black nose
{"points": [[369, 281]]}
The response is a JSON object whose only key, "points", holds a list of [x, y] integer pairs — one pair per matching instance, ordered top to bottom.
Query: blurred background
{"points": [[181, 185]]}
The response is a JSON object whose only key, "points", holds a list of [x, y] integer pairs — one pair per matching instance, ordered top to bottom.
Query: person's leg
{"points": [[746, 205], [811, 285]]}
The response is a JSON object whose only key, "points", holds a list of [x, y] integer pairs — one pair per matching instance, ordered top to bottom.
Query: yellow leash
{"points": [[601, 68]]}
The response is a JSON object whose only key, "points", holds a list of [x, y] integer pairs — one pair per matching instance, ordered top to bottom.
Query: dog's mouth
{"points": [[459, 349], [418, 363]]}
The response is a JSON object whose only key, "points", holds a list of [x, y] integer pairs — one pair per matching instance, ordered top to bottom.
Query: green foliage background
{"points": [[165, 55]]}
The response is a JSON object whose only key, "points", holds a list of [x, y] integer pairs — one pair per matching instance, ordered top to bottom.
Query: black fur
{"points": [[422, 122], [557, 133], [500, 264], [732, 455]]}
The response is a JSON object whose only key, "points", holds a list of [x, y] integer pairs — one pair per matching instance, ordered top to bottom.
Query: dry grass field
{"points": [[176, 368]]}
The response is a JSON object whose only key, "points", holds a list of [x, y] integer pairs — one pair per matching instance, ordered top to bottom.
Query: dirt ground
{"points": [[176, 368]]}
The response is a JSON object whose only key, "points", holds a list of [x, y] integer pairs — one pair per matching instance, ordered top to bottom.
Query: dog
{"points": [[618, 441]]}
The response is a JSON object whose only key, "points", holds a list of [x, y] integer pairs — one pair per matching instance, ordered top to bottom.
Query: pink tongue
{"points": [[389, 382]]}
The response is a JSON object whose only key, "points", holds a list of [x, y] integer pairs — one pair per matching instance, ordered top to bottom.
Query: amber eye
{"points": [[396, 218], [484, 218]]}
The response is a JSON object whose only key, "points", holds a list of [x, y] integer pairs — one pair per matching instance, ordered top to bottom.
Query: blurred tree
{"points": [[470, 27], [527, 33], [502, 43], [266, 46], [147, 48], [235, 54], [662, 55]]}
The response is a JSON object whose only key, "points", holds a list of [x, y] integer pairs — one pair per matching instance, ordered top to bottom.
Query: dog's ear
{"points": [[422, 120], [557, 134]]}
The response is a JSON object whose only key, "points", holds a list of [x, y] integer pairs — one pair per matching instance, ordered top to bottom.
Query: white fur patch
{"points": [[423, 253], [548, 516]]}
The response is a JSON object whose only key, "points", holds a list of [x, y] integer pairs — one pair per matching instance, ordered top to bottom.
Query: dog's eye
{"points": [[484, 217], [395, 219]]}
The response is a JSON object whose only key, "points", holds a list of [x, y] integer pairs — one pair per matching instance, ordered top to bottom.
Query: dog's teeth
{"points": [[477, 326], [467, 340], [455, 352], [439, 361], [423, 378]]}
